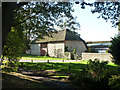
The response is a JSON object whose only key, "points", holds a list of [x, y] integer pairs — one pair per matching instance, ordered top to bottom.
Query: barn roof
{"points": [[60, 36]]}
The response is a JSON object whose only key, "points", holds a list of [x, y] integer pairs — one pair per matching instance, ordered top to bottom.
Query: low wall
{"points": [[100, 56]]}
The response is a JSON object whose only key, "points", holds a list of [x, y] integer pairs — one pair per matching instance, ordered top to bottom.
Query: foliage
{"points": [[108, 10], [37, 18], [32, 20], [66, 23], [14, 45], [13, 48], [66, 48], [115, 49], [92, 50], [74, 51], [74, 54], [9, 66], [97, 69], [94, 75], [114, 82]]}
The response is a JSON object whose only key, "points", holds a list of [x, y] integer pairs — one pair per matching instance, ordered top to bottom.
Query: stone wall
{"points": [[79, 45], [35, 49], [56, 49], [100, 56]]}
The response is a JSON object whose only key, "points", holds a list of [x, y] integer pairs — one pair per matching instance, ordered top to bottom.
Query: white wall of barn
{"points": [[79, 45], [35, 49], [56, 49]]}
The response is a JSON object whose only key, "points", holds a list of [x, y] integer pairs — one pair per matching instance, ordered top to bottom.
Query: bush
{"points": [[115, 49], [92, 50], [9, 66], [97, 69], [95, 75], [114, 82]]}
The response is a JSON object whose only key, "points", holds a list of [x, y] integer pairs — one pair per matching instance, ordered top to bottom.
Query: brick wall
{"points": [[100, 56]]}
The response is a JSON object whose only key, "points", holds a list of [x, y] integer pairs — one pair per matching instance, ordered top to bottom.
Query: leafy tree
{"points": [[107, 10], [110, 10], [32, 20], [37, 22], [68, 23], [13, 48], [115, 49]]}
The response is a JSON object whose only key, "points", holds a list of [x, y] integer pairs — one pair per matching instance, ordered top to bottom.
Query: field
{"points": [[34, 57], [58, 71]]}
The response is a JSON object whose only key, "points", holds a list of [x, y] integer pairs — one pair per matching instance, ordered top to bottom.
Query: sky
{"points": [[91, 28]]}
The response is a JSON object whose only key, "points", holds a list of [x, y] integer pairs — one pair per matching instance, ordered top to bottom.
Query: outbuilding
{"points": [[58, 43]]}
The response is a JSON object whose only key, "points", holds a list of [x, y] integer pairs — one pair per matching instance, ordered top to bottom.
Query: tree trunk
{"points": [[8, 17]]}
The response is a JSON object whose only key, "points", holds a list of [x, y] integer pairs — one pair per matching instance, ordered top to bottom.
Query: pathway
{"points": [[49, 61]]}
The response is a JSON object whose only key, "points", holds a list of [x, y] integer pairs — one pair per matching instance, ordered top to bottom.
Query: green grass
{"points": [[35, 57], [63, 67], [59, 70]]}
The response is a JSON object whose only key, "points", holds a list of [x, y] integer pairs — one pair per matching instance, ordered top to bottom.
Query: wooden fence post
{"points": [[31, 60], [63, 60], [48, 61], [21, 65], [37, 65], [52, 66], [69, 68]]}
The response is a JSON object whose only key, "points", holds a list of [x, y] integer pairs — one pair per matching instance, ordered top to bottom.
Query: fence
{"points": [[100, 56]]}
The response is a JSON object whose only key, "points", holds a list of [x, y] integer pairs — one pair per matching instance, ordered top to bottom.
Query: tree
{"points": [[100, 7], [108, 10], [7, 17], [38, 18], [32, 20], [68, 23], [115, 49]]}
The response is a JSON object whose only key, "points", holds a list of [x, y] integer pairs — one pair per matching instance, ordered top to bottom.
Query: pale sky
{"points": [[93, 29]]}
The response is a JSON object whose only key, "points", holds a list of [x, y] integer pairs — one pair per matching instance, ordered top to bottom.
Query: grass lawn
{"points": [[34, 57], [64, 67], [52, 70]]}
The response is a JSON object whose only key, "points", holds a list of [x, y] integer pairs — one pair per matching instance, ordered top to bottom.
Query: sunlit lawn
{"points": [[34, 57], [65, 67], [60, 70]]}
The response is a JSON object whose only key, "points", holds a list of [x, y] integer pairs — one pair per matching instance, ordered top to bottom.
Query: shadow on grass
{"points": [[62, 69], [11, 81]]}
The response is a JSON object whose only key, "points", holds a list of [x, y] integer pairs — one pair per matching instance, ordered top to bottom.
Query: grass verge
{"points": [[34, 57]]}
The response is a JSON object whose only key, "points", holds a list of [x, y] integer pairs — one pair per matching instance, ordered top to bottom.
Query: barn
{"points": [[58, 43]]}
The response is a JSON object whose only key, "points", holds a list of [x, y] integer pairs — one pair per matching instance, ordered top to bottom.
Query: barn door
{"points": [[43, 49]]}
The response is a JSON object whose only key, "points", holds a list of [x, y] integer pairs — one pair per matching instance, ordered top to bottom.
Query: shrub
{"points": [[13, 47], [115, 49], [92, 50], [97, 69], [95, 75], [114, 82]]}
